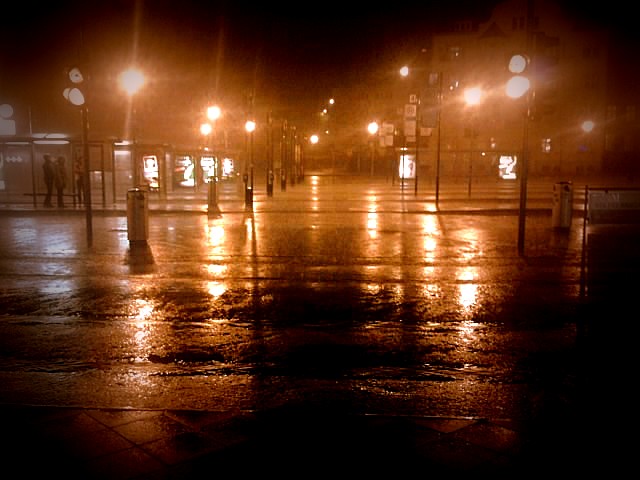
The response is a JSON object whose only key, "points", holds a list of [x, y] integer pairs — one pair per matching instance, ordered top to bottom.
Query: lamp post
{"points": [[131, 81], [76, 97], [472, 97], [213, 114], [438, 122], [250, 127], [372, 128], [328, 131], [270, 174]]}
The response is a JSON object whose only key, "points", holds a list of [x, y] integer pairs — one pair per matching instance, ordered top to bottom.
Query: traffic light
{"points": [[519, 83], [73, 93]]}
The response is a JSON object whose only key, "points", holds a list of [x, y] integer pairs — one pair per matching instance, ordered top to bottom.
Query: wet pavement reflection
{"points": [[330, 292]]}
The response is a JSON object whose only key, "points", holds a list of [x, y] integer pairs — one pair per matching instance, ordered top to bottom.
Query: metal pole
{"points": [[439, 121], [371, 155], [33, 164], [470, 168], [251, 169], [270, 176], [86, 179], [415, 182], [523, 183], [212, 207], [522, 212]]}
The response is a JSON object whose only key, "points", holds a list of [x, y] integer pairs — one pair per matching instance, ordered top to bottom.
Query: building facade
{"points": [[575, 121]]}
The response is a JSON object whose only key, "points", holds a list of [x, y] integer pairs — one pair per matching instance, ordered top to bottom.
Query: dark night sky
{"points": [[307, 46], [295, 50]]}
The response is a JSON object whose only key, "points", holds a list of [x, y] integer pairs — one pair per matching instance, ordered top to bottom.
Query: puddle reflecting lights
{"points": [[372, 217], [248, 223], [372, 224], [214, 235], [430, 245], [472, 250], [216, 270], [373, 288], [216, 289], [468, 292], [141, 311], [467, 331]]}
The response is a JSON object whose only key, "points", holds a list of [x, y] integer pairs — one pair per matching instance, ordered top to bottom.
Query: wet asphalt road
{"points": [[329, 294]]}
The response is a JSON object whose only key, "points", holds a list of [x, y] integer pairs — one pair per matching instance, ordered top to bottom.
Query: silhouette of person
{"points": [[49, 178], [61, 181]]}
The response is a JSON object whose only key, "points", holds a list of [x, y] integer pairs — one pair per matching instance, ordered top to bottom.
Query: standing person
{"points": [[78, 173], [49, 177], [61, 181]]}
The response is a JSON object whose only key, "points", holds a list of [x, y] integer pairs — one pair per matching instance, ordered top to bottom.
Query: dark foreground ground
{"points": [[318, 410]]}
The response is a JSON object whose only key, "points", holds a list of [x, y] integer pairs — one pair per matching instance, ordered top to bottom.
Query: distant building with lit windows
{"points": [[573, 66]]}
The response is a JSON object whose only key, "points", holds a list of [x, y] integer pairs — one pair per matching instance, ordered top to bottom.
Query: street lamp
{"points": [[131, 81], [472, 97], [415, 99], [213, 113], [250, 127], [372, 128]]}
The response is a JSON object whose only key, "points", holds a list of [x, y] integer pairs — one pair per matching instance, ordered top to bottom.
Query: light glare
{"points": [[131, 81], [473, 95], [213, 112]]}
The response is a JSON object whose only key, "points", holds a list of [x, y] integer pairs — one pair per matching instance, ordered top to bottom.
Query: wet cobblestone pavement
{"points": [[335, 326]]}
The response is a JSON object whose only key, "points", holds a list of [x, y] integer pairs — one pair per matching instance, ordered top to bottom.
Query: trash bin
{"points": [[562, 205], [137, 215]]}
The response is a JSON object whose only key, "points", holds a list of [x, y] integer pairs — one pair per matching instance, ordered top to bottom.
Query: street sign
{"points": [[410, 110]]}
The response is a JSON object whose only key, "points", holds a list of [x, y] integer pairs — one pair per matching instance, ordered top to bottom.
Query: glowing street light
{"points": [[131, 81], [473, 96], [213, 112], [206, 129]]}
